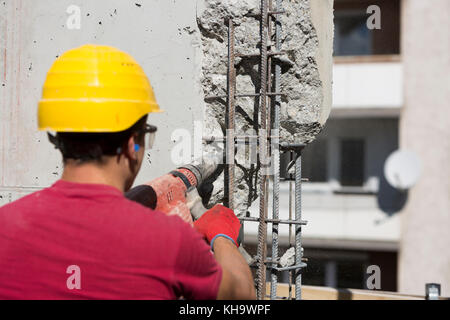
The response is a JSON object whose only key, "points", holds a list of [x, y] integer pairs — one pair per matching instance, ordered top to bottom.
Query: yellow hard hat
{"points": [[95, 89]]}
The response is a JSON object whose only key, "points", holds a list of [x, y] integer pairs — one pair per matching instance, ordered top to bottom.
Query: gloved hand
{"points": [[219, 221]]}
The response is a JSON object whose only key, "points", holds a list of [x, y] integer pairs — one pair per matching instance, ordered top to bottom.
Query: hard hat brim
{"points": [[86, 116]]}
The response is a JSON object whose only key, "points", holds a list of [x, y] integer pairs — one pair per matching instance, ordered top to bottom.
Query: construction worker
{"points": [[81, 238]]}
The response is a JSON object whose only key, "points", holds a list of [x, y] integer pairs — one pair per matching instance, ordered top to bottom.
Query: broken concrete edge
{"points": [[322, 18], [307, 107]]}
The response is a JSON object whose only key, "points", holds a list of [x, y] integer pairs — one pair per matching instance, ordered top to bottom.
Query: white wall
{"points": [[33, 33], [367, 85], [425, 130]]}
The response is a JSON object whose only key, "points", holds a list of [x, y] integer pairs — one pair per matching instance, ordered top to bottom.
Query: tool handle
{"points": [[143, 194]]}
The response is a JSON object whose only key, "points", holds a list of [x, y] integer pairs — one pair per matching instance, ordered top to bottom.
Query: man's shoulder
{"points": [[23, 202]]}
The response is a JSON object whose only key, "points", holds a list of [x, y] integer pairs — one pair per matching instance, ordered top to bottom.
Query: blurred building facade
{"points": [[390, 91], [353, 212]]}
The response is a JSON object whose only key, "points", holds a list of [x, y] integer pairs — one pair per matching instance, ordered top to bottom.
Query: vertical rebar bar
{"points": [[231, 86], [269, 97], [276, 157], [291, 196], [298, 227], [262, 228]]}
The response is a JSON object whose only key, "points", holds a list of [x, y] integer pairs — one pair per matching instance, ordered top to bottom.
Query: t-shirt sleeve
{"points": [[197, 275]]}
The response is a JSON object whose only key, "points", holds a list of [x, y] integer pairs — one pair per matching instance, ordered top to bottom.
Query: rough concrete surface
{"points": [[303, 111], [288, 258]]}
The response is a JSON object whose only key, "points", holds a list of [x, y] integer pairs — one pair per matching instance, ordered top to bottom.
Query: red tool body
{"points": [[168, 192], [171, 193]]}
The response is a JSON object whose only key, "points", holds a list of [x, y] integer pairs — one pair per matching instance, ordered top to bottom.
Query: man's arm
{"points": [[237, 280]]}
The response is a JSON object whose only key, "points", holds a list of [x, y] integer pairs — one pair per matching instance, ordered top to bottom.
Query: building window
{"points": [[351, 34], [353, 38], [314, 162], [352, 162], [348, 268], [350, 274]]}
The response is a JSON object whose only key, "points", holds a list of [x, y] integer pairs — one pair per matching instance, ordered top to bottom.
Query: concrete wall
{"points": [[307, 33], [160, 34], [164, 38], [425, 129]]}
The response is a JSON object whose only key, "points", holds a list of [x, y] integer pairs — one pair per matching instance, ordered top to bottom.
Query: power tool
{"points": [[176, 193]]}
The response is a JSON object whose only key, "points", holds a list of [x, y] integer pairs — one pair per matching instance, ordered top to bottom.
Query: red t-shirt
{"points": [[90, 236]]}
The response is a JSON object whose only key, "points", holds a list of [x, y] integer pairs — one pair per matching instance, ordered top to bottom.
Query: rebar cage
{"points": [[269, 146]]}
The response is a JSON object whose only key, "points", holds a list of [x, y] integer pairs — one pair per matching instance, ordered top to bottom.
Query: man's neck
{"points": [[92, 173]]}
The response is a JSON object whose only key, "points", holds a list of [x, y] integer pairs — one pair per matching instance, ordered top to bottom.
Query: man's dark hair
{"points": [[91, 147]]}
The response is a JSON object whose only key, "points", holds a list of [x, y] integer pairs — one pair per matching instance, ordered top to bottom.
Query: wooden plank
{"points": [[367, 59], [326, 293]]}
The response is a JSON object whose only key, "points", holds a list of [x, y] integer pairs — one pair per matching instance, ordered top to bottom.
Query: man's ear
{"points": [[130, 151]]}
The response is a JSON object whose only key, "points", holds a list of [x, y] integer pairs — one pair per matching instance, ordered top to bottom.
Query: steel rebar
{"points": [[270, 13], [269, 54], [245, 95], [230, 146], [276, 157], [291, 196], [277, 221], [262, 228], [298, 228]]}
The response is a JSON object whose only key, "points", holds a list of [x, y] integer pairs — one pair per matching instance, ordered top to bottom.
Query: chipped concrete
{"points": [[305, 79], [288, 258]]}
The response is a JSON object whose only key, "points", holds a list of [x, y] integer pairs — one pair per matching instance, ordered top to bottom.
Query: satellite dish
{"points": [[402, 169]]}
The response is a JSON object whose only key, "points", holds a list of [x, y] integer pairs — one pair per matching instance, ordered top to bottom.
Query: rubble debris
{"points": [[288, 258]]}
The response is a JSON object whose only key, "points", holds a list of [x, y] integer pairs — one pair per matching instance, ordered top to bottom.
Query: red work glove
{"points": [[219, 221]]}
